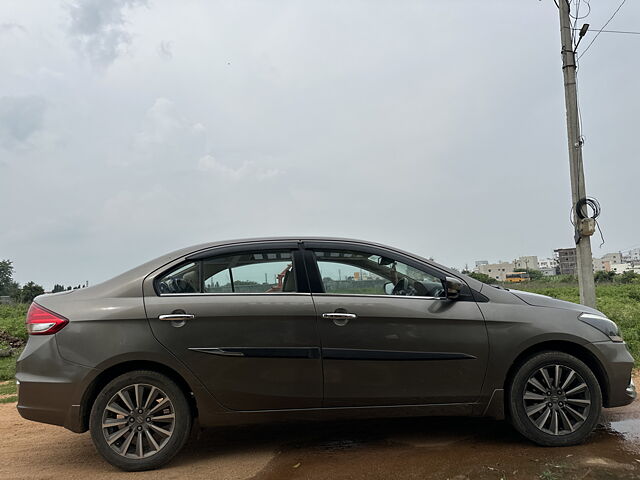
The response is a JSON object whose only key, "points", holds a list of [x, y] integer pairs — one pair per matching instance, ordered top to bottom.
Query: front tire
{"points": [[555, 399], [140, 420]]}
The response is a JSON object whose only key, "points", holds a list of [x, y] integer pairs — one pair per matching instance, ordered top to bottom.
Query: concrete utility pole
{"points": [[584, 260]]}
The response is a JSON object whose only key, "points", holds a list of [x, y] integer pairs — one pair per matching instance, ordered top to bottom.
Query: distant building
{"points": [[632, 255], [612, 258], [566, 260], [480, 262], [527, 262], [548, 263], [601, 265], [548, 266], [625, 267], [497, 270]]}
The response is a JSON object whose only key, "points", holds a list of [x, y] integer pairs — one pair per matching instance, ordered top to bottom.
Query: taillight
{"points": [[41, 321]]}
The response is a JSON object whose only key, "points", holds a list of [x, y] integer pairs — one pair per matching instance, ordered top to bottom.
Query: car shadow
{"points": [[350, 434], [385, 445]]}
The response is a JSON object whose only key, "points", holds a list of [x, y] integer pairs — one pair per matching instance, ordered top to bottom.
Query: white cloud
{"points": [[10, 27], [98, 28], [165, 50], [20, 119], [162, 124], [167, 139], [247, 169]]}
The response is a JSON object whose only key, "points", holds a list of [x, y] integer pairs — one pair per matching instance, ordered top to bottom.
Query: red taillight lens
{"points": [[41, 321]]}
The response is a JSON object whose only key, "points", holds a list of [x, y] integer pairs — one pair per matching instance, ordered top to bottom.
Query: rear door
{"points": [[243, 321], [385, 342]]}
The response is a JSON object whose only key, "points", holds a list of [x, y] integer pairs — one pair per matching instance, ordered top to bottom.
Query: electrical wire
{"points": [[577, 15], [575, 23], [603, 27], [581, 139], [582, 208], [601, 235], [630, 248]]}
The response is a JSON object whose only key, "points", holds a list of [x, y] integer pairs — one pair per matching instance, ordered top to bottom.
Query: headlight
{"points": [[602, 323]]}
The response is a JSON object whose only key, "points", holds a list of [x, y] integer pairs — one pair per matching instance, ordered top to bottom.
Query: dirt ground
{"points": [[426, 448]]}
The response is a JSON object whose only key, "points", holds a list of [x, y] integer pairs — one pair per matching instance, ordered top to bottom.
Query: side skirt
{"points": [[338, 413]]}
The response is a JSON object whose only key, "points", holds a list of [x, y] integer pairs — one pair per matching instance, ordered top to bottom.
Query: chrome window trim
{"points": [[232, 294], [375, 296]]}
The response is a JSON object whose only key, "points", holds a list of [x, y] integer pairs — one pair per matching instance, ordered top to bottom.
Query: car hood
{"points": [[538, 300]]}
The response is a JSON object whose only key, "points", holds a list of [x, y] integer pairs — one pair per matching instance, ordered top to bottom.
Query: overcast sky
{"points": [[129, 128]]}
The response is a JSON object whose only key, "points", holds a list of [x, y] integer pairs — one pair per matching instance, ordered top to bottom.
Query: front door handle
{"points": [[177, 317], [340, 319]]}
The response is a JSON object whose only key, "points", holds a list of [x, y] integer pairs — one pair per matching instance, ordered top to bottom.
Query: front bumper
{"points": [[618, 365], [49, 386], [631, 390]]}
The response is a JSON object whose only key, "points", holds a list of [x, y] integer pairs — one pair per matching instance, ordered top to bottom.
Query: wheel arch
{"points": [[579, 351], [102, 379]]}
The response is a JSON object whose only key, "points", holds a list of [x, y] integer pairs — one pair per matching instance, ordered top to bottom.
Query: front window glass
{"points": [[250, 272], [352, 272], [185, 279]]}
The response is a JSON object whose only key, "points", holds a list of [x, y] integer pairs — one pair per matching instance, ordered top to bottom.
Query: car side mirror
{"points": [[453, 286], [388, 288]]}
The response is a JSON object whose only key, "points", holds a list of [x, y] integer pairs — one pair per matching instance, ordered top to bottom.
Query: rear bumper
{"points": [[48, 388]]}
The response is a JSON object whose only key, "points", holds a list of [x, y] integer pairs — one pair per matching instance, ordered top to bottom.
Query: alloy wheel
{"points": [[557, 399], [138, 421]]}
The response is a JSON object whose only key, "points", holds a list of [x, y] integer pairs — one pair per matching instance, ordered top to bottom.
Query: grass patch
{"points": [[619, 302], [12, 318], [13, 335], [8, 367], [8, 388], [8, 392], [549, 475]]}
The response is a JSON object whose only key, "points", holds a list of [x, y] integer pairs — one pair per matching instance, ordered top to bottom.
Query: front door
{"points": [[240, 323], [388, 335]]}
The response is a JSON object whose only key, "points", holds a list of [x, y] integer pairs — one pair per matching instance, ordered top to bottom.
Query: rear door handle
{"points": [[339, 316], [176, 317], [340, 319]]}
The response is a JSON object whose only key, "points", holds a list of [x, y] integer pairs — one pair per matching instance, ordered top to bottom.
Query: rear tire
{"points": [[554, 399], [140, 420]]}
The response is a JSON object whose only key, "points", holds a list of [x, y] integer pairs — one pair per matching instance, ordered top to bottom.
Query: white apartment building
{"points": [[632, 255], [527, 262], [547, 263], [548, 266], [625, 267]]}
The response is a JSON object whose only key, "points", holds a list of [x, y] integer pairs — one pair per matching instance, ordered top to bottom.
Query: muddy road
{"points": [[426, 448]]}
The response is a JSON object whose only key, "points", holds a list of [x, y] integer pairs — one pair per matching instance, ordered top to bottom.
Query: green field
{"points": [[12, 319], [13, 334]]}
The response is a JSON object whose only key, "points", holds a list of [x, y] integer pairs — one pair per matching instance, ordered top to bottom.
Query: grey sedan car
{"points": [[286, 328]]}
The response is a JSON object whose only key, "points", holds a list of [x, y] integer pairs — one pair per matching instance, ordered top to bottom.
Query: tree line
{"points": [[536, 275], [22, 293]]}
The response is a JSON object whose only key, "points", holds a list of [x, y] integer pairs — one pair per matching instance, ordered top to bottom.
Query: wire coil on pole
{"points": [[583, 205]]}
